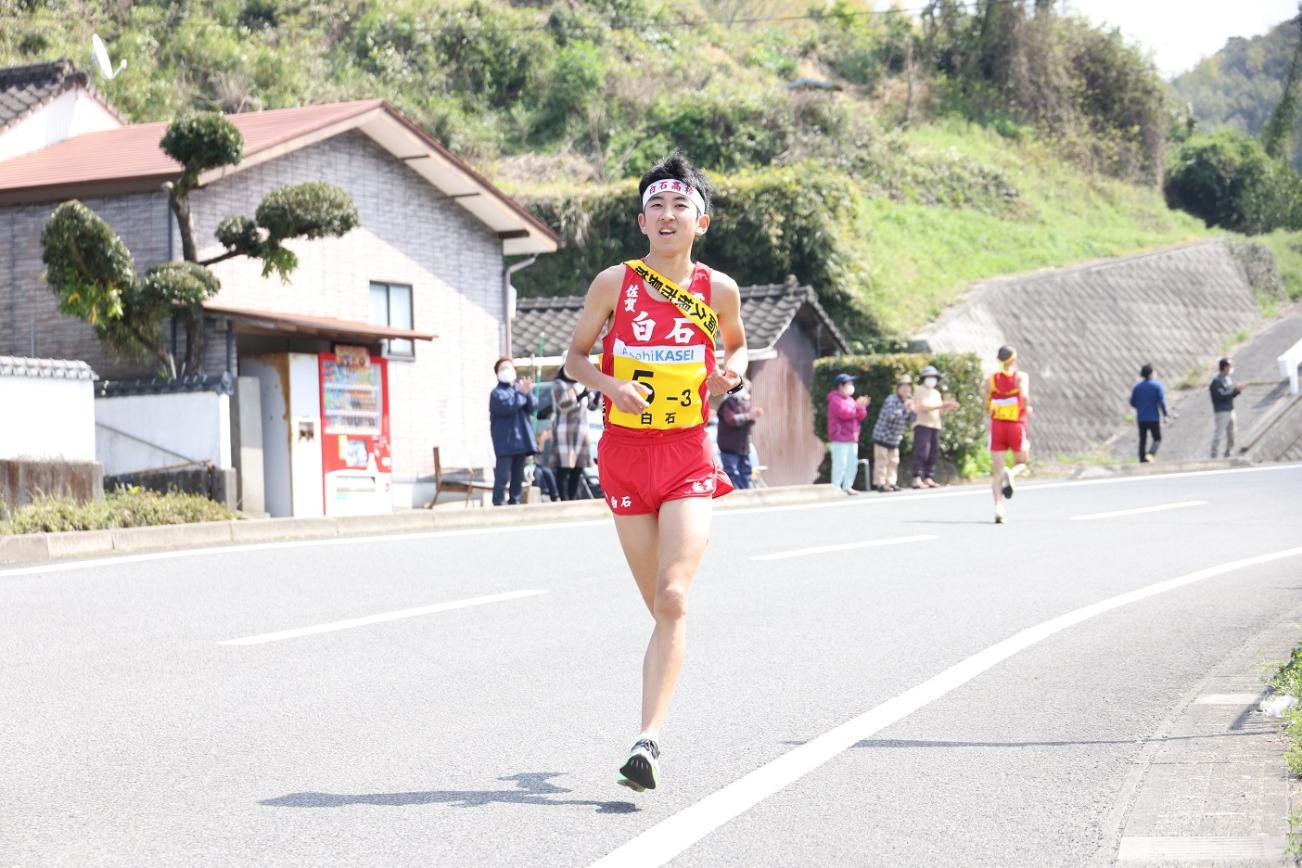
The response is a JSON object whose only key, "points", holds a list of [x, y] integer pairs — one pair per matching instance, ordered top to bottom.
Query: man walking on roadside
{"points": [[1224, 391], [1149, 400]]}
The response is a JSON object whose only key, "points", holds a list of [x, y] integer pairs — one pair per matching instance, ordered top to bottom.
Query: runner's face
{"points": [[670, 222]]}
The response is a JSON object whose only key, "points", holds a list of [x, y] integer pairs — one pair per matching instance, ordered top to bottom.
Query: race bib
{"points": [[674, 376], [1005, 409]]}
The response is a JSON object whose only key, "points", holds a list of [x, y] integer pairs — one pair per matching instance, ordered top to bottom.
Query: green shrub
{"points": [[203, 140], [1227, 179], [767, 224], [962, 437], [125, 507]]}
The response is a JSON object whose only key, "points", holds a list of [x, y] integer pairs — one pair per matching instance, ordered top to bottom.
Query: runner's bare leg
{"points": [[997, 475], [683, 529], [639, 536]]}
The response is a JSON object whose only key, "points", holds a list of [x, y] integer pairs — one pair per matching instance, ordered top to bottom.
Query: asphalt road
{"points": [[132, 733]]}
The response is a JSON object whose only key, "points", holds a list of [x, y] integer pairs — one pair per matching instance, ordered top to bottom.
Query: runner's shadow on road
{"points": [[531, 788]]}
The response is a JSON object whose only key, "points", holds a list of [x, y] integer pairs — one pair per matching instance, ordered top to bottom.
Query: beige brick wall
{"points": [[409, 234]]}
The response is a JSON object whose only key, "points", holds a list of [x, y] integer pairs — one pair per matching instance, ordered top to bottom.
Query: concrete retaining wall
{"points": [[1082, 333], [21, 481]]}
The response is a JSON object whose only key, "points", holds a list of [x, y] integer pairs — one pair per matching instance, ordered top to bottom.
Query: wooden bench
{"points": [[469, 485]]}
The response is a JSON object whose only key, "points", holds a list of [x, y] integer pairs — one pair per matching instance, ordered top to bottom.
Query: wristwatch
{"points": [[740, 383]]}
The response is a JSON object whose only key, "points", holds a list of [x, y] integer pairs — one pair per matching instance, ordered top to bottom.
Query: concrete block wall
{"points": [[141, 220], [409, 234], [1082, 333]]}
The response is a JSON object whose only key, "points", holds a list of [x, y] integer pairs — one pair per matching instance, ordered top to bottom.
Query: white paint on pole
{"points": [[1184, 504], [841, 547], [350, 623], [671, 836]]}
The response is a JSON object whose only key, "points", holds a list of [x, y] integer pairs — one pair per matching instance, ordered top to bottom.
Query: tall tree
{"points": [[1277, 137]]}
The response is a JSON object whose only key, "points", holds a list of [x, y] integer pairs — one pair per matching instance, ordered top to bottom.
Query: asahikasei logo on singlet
{"points": [[673, 374]]}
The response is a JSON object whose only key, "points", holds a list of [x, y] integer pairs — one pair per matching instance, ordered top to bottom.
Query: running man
{"points": [[658, 369], [1008, 400]]}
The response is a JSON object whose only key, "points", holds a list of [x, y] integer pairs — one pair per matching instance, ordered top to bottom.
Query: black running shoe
{"points": [[1007, 480], [640, 771]]}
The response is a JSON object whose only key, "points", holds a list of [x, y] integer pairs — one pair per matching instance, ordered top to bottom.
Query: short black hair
{"points": [[676, 167], [1005, 353], [1225, 363], [1146, 371]]}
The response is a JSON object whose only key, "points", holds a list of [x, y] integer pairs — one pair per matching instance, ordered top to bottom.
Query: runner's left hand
{"points": [[721, 381]]}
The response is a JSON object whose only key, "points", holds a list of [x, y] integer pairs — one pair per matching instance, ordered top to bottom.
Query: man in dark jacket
{"points": [[1224, 391], [1149, 400], [510, 410], [736, 416]]}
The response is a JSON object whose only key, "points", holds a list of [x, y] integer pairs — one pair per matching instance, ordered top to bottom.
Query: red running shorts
{"points": [[1008, 436], [640, 470]]}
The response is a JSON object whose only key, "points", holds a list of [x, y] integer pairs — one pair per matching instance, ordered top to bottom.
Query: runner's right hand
{"points": [[630, 397]]}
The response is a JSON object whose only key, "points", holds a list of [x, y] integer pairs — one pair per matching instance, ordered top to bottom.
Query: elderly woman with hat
{"points": [[895, 416], [926, 432]]}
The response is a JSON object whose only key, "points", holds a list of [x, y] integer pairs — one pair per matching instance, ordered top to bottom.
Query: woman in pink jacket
{"points": [[845, 414]]}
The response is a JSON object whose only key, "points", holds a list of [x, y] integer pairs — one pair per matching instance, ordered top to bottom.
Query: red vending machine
{"points": [[355, 459]]}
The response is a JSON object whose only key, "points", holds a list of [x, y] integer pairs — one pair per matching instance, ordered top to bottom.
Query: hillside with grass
{"points": [[888, 159]]}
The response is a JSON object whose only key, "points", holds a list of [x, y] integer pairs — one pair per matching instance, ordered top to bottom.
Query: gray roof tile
{"points": [[26, 88], [767, 312], [48, 369]]}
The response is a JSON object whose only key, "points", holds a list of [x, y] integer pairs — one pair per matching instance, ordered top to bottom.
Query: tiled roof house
{"points": [[45, 102], [432, 241]]}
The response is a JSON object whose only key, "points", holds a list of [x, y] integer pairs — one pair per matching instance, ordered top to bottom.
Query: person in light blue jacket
{"points": [[510, 410]]}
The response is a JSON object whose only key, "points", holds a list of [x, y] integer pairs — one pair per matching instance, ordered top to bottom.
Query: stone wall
{"points": [[1082, 333], [22, 481]]}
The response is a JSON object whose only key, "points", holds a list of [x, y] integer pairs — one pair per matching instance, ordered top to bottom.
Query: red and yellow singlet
{"points": [[651, 342], [1007, 403]]}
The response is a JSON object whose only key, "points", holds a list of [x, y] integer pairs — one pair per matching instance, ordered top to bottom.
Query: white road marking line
{"points": [[983, 490], [1184, 504], [545, 526], [841, 547], [377, 619], [1228, 699], [666, 839], [1215, 848]]}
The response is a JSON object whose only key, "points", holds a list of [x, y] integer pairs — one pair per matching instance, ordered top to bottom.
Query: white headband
{"points": [[682, 188]]}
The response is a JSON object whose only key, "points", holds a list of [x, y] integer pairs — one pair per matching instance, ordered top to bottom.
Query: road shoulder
{"points": [[1211, 785]]}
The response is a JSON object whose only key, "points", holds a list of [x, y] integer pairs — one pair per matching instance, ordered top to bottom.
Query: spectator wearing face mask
{"points": [[1224, 390], [930, 406], [510, 409], [845, 415], [736, 418]]}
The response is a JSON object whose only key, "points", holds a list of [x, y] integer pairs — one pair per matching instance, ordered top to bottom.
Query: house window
{"points": [[391, 306]]}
